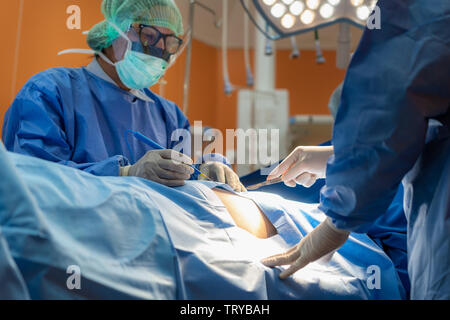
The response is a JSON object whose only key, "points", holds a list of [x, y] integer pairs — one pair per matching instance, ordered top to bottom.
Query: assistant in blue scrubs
{"points": [[392, 127]]}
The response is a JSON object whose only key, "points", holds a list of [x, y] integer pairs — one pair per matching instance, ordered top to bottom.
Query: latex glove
{"points": [[303, 166], [167, 167], [220, 172], [321, 241]]}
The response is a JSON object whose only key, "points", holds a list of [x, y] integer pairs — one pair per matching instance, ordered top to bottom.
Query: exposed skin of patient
{"points": [[246, 214]]}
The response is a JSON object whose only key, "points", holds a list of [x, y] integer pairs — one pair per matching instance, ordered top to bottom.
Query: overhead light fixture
{"points": [[269, 2], [334, 2], [357, 3], [313, 4], [372, 4], [297, 8], [278, 10], [326, 10], [363, 12], [307, 17], [287, 18], [288, 21]]}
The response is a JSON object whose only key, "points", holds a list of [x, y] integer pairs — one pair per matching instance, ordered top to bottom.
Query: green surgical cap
{"points": [[160, 13]]}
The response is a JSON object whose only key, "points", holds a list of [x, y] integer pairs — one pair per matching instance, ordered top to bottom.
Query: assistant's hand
{"points": [[303, 166], [167, 167], [220, 172], [324, 239]]}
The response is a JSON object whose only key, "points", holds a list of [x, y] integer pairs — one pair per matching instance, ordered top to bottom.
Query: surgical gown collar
{"points": [[95, 68]]}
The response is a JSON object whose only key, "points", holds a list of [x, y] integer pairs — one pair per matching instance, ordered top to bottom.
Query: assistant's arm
{"points": [[397, 80]]}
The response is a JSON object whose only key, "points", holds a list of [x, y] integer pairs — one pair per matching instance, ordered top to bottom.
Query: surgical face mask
{"points": [[137, 70]]}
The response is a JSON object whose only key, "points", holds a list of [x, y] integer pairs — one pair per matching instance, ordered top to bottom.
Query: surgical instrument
{"points": [[154, 145], [265, 183]]}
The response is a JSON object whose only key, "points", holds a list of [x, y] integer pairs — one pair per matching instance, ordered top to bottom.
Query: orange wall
{"points": [[44, 33], [310, 85], [202, 92]]}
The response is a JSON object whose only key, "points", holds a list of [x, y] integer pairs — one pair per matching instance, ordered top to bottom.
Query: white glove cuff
{"points": [[124, 171]]}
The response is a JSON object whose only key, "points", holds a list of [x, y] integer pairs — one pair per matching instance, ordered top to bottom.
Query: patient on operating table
{"points": [[246, 214], [133, 238]]}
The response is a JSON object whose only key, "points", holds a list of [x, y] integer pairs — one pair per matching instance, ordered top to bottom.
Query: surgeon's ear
{"points": [[133, 33], [117, 49], [109, 53]]}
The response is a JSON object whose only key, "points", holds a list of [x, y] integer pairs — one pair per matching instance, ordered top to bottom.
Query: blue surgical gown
{"points": [[397, 84], [76, 118], [131, 238]]}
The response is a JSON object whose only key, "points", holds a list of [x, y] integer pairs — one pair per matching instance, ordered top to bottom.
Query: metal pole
{"points": [[264, 64], [187, 73]]}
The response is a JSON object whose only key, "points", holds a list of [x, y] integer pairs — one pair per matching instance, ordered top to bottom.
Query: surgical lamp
{"points": [[292, 17], [288, 18]]}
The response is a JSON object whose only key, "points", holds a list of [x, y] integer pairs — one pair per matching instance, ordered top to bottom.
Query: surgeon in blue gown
{"points": [[83, 117], [392, 126]]}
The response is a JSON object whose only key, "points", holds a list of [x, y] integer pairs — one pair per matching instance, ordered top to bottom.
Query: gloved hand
{"points": [[303, 166], [167, 167], [220, 172], [324, 239]]}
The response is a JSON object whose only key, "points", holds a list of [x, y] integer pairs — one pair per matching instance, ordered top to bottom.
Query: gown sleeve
{"points": [[398, 79]]}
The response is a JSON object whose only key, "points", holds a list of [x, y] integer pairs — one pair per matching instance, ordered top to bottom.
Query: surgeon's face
{"points": [[157, 41]]}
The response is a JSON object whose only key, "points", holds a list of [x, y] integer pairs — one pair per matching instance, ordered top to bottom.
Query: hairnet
{"points": [[161, 13]]}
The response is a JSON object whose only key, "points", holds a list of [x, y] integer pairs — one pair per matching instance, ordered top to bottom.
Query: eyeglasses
{"points": [[150, 36]]}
